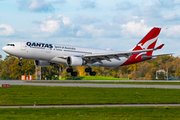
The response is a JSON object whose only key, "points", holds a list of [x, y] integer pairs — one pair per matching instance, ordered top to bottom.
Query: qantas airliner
{"points": [[44, 54]]}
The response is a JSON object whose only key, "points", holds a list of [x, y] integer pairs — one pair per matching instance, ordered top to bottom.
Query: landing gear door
{"points": [[23, 46]]}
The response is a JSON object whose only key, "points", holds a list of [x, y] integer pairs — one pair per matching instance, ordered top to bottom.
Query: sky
{"points": [[104, 24]]}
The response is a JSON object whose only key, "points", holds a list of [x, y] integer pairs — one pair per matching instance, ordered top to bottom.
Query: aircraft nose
{"points": [[4, 49]]}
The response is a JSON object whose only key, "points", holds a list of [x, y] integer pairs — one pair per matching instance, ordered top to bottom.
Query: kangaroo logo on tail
{"points": [[148, 42], [140, 45], [146, 45]]}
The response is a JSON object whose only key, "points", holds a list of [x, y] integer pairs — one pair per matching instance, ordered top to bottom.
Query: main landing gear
{"points": [[70, 70], [89, 70]]}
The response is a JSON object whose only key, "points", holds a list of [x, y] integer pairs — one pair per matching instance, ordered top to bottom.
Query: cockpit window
{"points": [[10, 45]]}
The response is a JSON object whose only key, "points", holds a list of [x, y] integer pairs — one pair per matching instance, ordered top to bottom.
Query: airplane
{"points": [[44, 54]]}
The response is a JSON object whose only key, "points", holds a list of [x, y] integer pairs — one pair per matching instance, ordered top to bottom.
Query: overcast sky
{"points": [[115, 24]]}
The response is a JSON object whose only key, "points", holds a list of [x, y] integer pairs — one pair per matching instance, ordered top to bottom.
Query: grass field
{"points": [[42, 95], [115, 113]]}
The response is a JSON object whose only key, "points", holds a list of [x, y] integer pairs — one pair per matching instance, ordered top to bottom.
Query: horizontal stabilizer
{"points": [[146, 57]]}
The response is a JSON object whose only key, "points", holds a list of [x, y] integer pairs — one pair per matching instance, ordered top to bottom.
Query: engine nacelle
{"points": [[144, 57], [75, 61], [42, 63]]}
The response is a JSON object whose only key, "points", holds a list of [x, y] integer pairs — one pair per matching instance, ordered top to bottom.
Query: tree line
{"points": [[9, 69]]}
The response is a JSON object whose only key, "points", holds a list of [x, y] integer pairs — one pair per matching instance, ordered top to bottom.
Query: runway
{"points": [[19, 82], [93, 106]]}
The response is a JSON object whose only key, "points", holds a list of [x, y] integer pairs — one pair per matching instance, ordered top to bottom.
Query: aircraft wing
{"points": [[116, 55]]}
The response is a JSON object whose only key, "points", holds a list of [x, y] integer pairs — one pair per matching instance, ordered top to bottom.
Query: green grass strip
{"points": [[42, 95], [115, 113]]}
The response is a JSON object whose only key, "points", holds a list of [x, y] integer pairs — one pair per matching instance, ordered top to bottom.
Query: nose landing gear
{"points": [[20, 62]]}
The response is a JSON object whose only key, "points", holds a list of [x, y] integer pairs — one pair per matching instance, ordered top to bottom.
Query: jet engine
{"points": [[145, 57], [75, 61], [42, 63]]}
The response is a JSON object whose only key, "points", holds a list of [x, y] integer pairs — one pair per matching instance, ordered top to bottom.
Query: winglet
{"points": [[159, 47]]}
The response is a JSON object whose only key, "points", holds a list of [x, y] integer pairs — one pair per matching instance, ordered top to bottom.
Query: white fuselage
{"points": [[55, 53]]}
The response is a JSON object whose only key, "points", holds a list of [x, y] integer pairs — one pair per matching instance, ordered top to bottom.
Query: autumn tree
{"points": [[28, 68], [5, 69], [81, 70], [50, 72], [178, 72]]}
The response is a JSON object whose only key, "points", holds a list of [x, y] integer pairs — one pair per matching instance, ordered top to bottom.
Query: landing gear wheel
{"points": [[20, 63], [88, 69], [69, 70], [93, 73], [74, 74]]}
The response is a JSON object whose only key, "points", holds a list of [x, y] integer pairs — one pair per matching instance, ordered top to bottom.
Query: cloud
{"points": [[58, 1], [167, 3], [88, 4], [35, 5], [125, 6], [157, 8], [158, 13], [171, 17], [65, 19], [120, 19], [86, 20], [36, 22], [50, 26], [57, 26], [62, 26], [133, 29], [6, 30], [89, 30], [105, 30], [172, 31]]}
